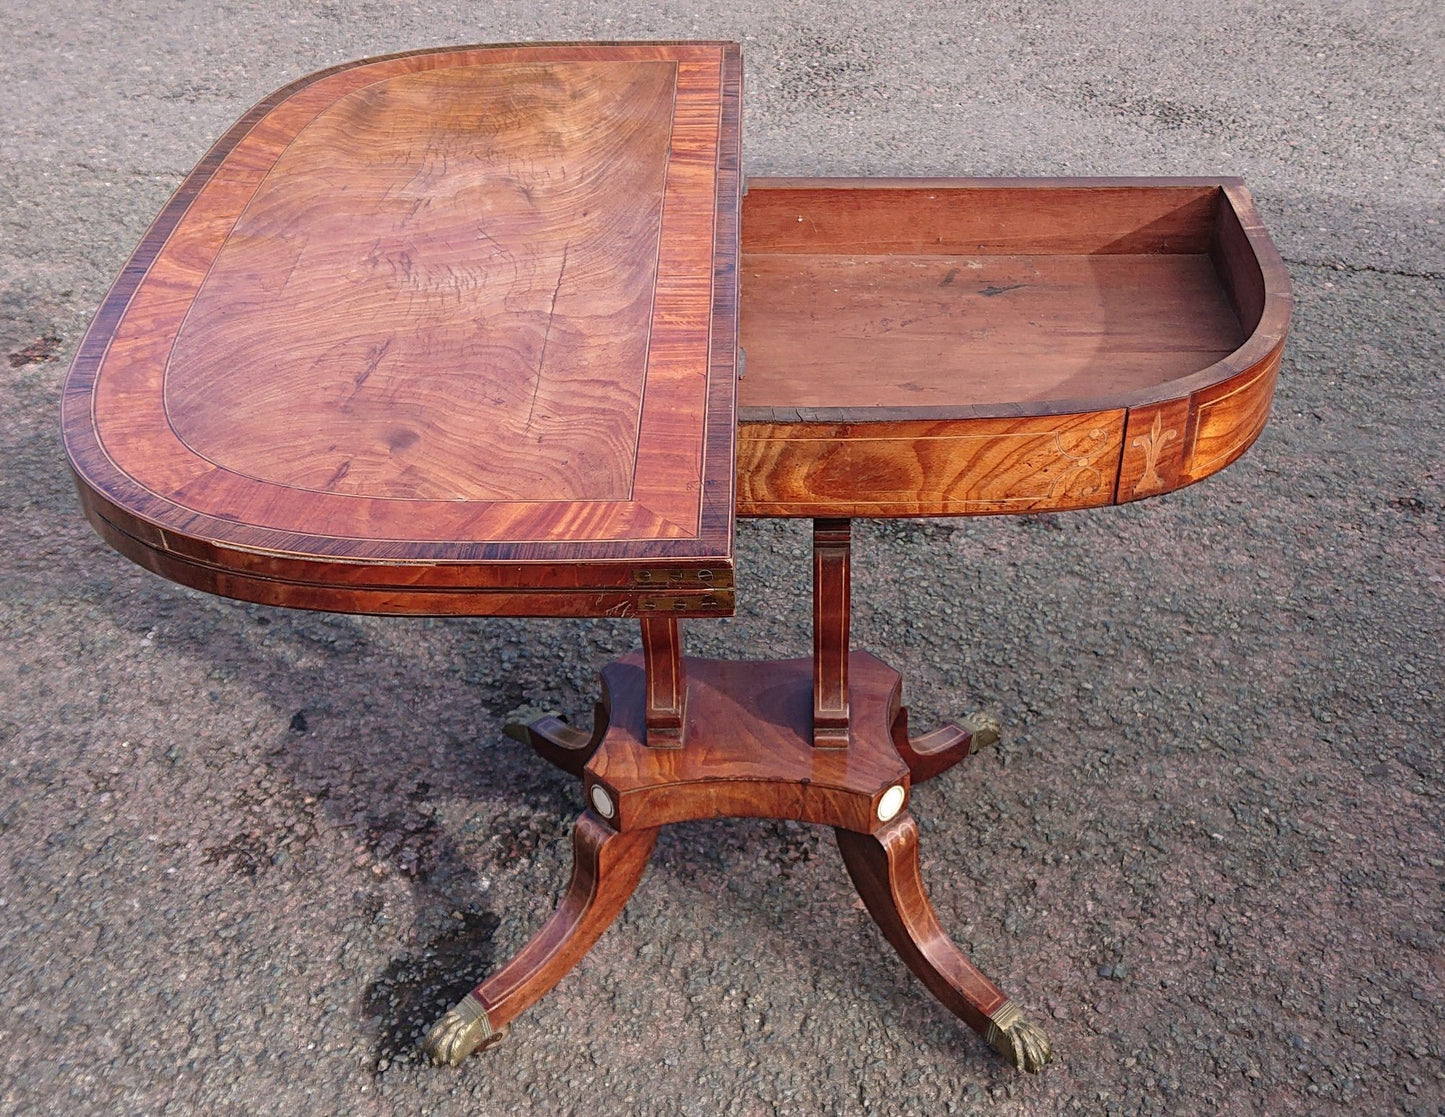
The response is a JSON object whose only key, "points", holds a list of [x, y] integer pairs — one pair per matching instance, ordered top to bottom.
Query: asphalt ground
{"points": [[248, 854]]}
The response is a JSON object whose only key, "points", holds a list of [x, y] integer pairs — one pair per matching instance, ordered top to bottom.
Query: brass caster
{"points": [[986, 729], [463, 1030], [1020, 1041]]}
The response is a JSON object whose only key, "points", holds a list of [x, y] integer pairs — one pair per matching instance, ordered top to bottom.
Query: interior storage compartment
{"points": [[867, 302]]}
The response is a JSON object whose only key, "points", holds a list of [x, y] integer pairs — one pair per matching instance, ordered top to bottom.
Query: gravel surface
{"points": [[248, 854]]}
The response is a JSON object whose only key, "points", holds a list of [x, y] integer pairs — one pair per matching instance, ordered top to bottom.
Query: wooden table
{"points": [[457, 332]]}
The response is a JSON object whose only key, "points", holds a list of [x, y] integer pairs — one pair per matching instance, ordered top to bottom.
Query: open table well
{"points": [[457, 332], [957, 347]]}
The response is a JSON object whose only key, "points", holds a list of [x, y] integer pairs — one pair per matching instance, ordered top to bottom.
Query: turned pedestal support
{"points": [[832, 613]]}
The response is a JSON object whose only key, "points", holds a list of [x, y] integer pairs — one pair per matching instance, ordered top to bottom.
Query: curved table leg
{"points": [[558, 743], [934, 753], [884, 868], [606, 869]]}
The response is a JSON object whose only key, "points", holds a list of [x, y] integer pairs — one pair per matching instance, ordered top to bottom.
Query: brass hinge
{"points": [[683, 579], [683, 603]]}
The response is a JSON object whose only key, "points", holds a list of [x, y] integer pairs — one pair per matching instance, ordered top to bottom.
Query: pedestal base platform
{"points": [[749, 751]]}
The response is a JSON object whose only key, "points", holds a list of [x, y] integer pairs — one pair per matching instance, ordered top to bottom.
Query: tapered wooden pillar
{"points": [[832, 602], [666, 681]]}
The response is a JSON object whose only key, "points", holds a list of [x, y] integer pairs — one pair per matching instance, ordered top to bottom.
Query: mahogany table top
{"points": [[450, 331], [456, 331]]}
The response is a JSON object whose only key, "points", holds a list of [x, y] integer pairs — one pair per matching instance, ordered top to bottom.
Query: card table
{"points": [[501, 330]]}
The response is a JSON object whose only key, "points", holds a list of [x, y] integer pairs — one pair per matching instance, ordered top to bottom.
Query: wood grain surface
{"points": [[985, 217], [457, 307], [449, 331], [959, 331], [960, 347], [928, 467], [832, 619], [666, 680], [749, 747], [884, 867], [606, 869], [885, 870]]}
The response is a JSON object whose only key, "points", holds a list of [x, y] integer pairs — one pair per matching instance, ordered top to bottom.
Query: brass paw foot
{"points": [[986, 729], [463, 1030], [1020, 1041]]}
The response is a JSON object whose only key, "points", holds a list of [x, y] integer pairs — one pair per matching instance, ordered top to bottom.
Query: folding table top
{"points": [[445, 332]]}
